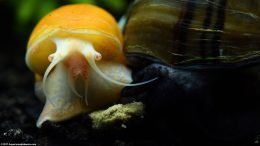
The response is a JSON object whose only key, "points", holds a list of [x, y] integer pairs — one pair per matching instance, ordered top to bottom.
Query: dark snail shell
{"points": [[188, 31]]}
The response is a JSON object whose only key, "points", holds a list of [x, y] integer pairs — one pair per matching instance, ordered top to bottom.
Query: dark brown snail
{"points": [[188, 31], [206, 55]]}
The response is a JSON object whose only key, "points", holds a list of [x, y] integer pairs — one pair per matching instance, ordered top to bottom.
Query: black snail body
{"points": [[206, 56]]}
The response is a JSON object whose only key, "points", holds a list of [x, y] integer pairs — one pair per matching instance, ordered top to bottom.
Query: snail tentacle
{"points": [[92, 55], [54, 58], [57, 59], [71, 82]]}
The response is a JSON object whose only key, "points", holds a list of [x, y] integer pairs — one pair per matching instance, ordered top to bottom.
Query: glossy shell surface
{"points": [[85, 22], [188, 31]]}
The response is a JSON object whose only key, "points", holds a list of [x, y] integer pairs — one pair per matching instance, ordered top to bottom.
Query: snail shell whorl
{"points": [[85, 22], [185, 31]]}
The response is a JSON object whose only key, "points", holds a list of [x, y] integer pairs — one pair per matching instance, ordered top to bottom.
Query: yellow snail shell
{"points": [[77, 57]]}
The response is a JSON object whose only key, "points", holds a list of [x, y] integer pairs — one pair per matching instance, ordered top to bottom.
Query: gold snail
{"points": [[191, 31], [77, 57]]}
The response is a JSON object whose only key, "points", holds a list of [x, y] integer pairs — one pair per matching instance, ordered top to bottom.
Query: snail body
{"points": [[187, 31], [206, 56], [77, 57]]}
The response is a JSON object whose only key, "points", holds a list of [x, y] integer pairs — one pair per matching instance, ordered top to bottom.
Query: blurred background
{"points": [[19, 107]]}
